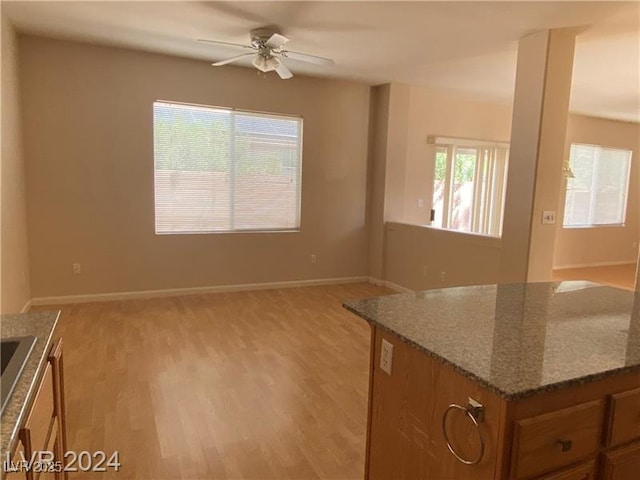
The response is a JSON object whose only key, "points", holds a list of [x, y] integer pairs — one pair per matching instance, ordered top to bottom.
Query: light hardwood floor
{"points": [[621, 276], [261, 384]]}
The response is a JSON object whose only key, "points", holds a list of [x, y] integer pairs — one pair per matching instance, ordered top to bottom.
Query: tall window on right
{"points": [[597, 191]]}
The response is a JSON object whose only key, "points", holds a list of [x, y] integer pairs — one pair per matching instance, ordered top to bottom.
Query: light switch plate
{"points": [[548, 217], [386, 356]]}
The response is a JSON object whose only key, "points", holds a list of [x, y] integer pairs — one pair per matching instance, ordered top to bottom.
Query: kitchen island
{"points": [[536, 380]]}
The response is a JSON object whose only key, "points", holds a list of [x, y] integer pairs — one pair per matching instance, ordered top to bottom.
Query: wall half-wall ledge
{"points": [[467, 237]]}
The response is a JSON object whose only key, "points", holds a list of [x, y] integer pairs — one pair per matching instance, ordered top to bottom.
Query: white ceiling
{"points": [[463, 46]]}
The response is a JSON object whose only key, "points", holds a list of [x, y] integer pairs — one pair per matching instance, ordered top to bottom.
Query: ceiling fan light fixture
{"points": [[266, 63], [272, 63], [566, 170]]}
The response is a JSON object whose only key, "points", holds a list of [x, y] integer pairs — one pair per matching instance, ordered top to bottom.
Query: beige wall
{"points": [[379, 112], [441, 113], [89, 153], [387, 163], [396, 166], [13, 238], [584, 246], [415, 256], [418, 256]]}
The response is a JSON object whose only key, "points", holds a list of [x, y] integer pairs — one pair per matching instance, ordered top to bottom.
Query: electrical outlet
{"points": [[420, 203], [548, 217], [313, 258], [77, 269], [443, 276], [386, 356]]}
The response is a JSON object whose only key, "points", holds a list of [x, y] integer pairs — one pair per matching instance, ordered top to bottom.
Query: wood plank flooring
{"points": [[621, 276], [261, 384]]}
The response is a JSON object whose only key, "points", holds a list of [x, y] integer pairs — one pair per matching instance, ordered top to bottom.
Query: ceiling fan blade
{"points": [[276, 40], [216, 42], [305, 57], [232, 59], [283, 72]]}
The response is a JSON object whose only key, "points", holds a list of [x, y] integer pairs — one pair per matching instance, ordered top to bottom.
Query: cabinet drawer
{"points": [[624, 418], [35, 433], [557, 439], [622, 464], [584, 471]]}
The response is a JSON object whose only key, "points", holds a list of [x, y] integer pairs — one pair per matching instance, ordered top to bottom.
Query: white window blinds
{"points": [[222, 170], [597, 193]]}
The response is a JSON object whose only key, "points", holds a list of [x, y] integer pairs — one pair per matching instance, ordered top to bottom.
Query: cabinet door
{"points": [[408, 405], [624, 418], [35, 432], [60, 439], [557, 439], [17, 457], [622, 463], [584, 471]]}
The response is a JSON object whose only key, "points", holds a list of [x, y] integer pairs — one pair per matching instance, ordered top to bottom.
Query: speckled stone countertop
{"points": [[40, 325], [518, 339]]}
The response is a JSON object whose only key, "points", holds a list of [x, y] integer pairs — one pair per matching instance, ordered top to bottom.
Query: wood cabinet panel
{"points": [[407, 409], [624, 418], [35, 433], [556, 439], [60, 444], [18, 455], [622, 463], [584, 471]]}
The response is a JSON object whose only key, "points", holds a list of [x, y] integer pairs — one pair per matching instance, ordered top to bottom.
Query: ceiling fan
{"points": [[267, 50]]}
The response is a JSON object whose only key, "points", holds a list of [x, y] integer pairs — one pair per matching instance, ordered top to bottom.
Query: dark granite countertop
{"points": [[40, 325], [518, 339]]}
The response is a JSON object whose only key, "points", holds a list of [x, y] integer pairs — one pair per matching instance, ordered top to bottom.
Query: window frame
{"points": [[299, 148], [627, 185]]}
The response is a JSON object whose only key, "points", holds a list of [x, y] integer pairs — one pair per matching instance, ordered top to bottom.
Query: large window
{"points": [[223, 170], [469, 185], [597, 193]]}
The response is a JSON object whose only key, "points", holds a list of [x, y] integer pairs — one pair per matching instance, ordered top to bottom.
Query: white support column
{"points": [[540, 111]]}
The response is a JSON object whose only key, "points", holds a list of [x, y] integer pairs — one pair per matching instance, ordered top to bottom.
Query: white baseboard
{"points": [[592, 264], [391, 285], [397, 288], [175, 292], [27, 306]]}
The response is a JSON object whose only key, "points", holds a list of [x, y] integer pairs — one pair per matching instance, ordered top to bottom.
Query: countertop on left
{"points": [[41, 325]]}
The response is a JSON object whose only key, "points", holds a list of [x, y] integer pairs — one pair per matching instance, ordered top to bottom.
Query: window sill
{"points": [[590, 227], [227, 232]]}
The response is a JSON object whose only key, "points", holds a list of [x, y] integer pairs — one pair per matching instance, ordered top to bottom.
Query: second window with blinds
{"points": [[225, 170], [469, 186]]}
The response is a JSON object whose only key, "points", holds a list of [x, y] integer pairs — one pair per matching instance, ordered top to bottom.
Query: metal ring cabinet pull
{"points": [[475, 411]]}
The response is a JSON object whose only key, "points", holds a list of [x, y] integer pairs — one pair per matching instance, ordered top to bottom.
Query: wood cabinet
{"points": [[624, 417], [44, 427], [584, 432], [556, 439], [18, 454], [622, 463], [585, 471]]}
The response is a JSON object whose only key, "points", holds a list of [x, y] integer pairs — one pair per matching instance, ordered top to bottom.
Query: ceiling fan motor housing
{"points": [[260, 36]]}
